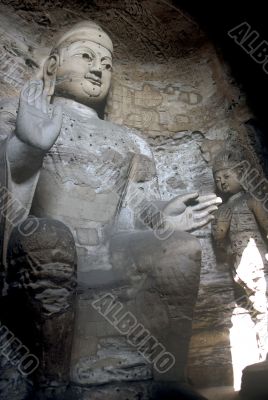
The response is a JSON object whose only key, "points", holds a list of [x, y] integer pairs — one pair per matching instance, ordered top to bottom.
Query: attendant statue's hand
{"points": [[34, 125], [191, 211]]}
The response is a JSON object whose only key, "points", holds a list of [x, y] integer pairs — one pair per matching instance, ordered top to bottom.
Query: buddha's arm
{"points": [[35, 133], [24, 160], [24, 163], [20, 164], [19, 172], [140, 195], [142, 204], [261, 214]]}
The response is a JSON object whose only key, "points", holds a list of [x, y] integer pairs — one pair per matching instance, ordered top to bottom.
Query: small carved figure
{"points": [[240, 231]]}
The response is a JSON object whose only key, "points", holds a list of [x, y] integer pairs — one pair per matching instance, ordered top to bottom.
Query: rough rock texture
{"points": [[173, 86]]}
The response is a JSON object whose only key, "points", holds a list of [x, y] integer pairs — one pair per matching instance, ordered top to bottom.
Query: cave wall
{"points": [[174, 87]]}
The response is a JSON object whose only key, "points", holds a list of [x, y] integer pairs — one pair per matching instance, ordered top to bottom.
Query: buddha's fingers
{"points": [[28, 92], [32, 93], [38, 95], [207, 203], [205, 213], [203, 222]]}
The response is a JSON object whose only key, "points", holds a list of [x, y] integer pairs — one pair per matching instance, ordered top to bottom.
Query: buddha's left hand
{"points": [[191, 211]]}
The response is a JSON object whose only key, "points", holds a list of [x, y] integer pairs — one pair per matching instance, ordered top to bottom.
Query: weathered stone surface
{"points": [[173, 88], [41, 296], [210, 344], [114, 361], [13, 384], [123, 391]]}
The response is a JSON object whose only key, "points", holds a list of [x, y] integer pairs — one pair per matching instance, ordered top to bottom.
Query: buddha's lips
{"points": [[72, 78], [95, 81]]}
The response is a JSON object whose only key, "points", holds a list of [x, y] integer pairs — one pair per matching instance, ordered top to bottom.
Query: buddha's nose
{"points": [[96, 67]]}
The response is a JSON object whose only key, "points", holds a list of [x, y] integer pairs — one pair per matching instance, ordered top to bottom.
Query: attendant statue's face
{"points": [[82, 65], [227, 181]]}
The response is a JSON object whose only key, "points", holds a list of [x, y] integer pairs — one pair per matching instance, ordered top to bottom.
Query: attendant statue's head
{"points": [[79, 66], [228, 172]]}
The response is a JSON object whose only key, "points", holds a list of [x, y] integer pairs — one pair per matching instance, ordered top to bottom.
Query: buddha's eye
{"points": [[86, 57], [106, 64], [108, 67]]}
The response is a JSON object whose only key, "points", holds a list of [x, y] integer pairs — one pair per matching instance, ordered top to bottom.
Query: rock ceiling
{"points": [[147, 30]]}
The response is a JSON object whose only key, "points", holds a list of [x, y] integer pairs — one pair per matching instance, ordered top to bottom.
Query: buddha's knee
{"points": [[186, 244], [148, 251], [181, 251], [43, 264], [176, 269]]}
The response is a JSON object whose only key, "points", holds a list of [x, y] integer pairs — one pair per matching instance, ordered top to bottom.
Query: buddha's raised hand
{"points": [[35, 126]]}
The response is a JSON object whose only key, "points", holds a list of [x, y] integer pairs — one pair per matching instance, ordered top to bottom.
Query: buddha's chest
{"points": [[90, 155]]}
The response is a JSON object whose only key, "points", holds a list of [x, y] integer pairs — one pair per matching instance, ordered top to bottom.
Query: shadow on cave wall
{"points": [[217, 18]]}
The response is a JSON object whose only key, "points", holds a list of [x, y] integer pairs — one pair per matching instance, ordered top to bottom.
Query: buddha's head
{"points": [[79, 66], [228, 173]]}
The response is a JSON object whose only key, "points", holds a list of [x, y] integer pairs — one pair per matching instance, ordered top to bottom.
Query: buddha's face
{"points": [[84, 73], [227, 181]]}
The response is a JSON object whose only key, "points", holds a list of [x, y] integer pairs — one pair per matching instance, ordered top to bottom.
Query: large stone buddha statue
{"points": [[88, 188]]}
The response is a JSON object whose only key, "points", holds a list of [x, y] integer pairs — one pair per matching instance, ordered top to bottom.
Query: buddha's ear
{"points": [[49, 73]]}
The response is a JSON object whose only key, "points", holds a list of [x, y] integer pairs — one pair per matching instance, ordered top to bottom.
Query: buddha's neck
{"points": [[74, 106]]}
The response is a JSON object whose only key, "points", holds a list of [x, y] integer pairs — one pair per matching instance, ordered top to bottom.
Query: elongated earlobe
{"points": [[51, 64], [49, 75]]}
